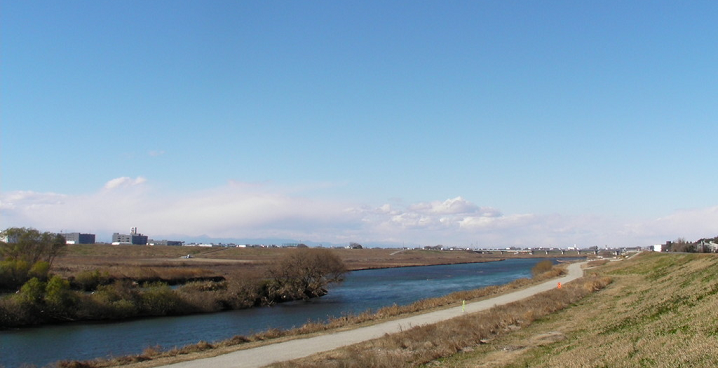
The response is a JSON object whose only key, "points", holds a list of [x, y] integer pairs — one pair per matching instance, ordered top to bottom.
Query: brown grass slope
{"points": [[660, 311]]}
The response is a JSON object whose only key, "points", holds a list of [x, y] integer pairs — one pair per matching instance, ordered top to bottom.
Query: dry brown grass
{"points": [[128, 260], [596, 263], [661, 311], [425, 344]]}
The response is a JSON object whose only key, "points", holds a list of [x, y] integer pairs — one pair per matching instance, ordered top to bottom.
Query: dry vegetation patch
{"points": [[227, 262], [660, 311], [426, 344]]}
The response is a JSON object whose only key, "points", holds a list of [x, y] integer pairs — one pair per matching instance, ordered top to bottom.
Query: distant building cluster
{"points": [[133, 238], [705, 245], [708, 245]]}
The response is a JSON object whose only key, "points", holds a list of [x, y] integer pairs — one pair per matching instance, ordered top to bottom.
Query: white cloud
{"points": [[124, 182], [450, 206], [234, 210], [260, 210], [495, 221], [691, 224]]}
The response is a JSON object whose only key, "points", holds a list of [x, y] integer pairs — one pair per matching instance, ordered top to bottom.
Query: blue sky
{"points": [[486, 123]]}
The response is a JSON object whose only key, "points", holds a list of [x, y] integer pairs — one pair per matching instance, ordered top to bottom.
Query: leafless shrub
{"points": [[541, 267], [272, 333], [236, 340], [198, 347], [151, 351]]}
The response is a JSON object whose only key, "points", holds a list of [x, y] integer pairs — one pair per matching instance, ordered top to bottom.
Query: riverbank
{"points": [[302, 274], [95, 283], [102, 286], [362, 291], [348, 321], [261, 356]]}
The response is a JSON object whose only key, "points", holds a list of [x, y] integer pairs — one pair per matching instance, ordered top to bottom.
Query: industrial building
{"points": [[78, 238], [133, 238]]}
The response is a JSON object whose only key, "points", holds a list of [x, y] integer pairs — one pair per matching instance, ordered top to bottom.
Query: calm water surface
{"points": [[362, 290]]}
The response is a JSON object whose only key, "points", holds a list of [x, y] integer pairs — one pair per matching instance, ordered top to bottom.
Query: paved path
{"points": [[299, 348]]}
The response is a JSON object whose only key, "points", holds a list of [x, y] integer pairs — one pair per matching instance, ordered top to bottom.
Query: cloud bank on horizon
{"points": [[246, 210]]}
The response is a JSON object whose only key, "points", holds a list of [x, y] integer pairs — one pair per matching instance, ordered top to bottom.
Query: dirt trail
{"points": [[294, 349]]}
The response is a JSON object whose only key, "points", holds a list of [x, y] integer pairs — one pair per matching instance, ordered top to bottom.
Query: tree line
{"points": [[699, 246]]}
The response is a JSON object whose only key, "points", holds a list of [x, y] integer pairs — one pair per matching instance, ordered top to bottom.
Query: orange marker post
{"points": [[559, 285]]}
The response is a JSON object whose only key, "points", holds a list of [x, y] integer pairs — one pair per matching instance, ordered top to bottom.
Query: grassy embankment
{"points": [[660, 311]]}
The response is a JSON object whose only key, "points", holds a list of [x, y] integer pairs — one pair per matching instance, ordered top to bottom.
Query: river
{"points": [[362, 290]]}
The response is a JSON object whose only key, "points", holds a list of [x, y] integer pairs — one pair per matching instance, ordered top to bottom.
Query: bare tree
{"points": [[305, 273]]}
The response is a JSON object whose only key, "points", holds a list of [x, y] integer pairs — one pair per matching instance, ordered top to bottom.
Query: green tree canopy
{"points": [[30, 245], [27, 253]]}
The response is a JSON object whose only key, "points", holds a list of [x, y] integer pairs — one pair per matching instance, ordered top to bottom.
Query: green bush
{"points": [[41, 269], [13, 273], [90, 280], [119, 290], [32, 292], [59, 299], [159, 299], [118, 300], [123, 309], [12, 313]]}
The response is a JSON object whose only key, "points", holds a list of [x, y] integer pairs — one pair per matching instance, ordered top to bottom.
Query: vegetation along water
{"points": [[362, 290]]}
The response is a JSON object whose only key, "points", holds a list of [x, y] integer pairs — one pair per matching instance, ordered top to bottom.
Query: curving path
{"points": [[299, 348]]}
